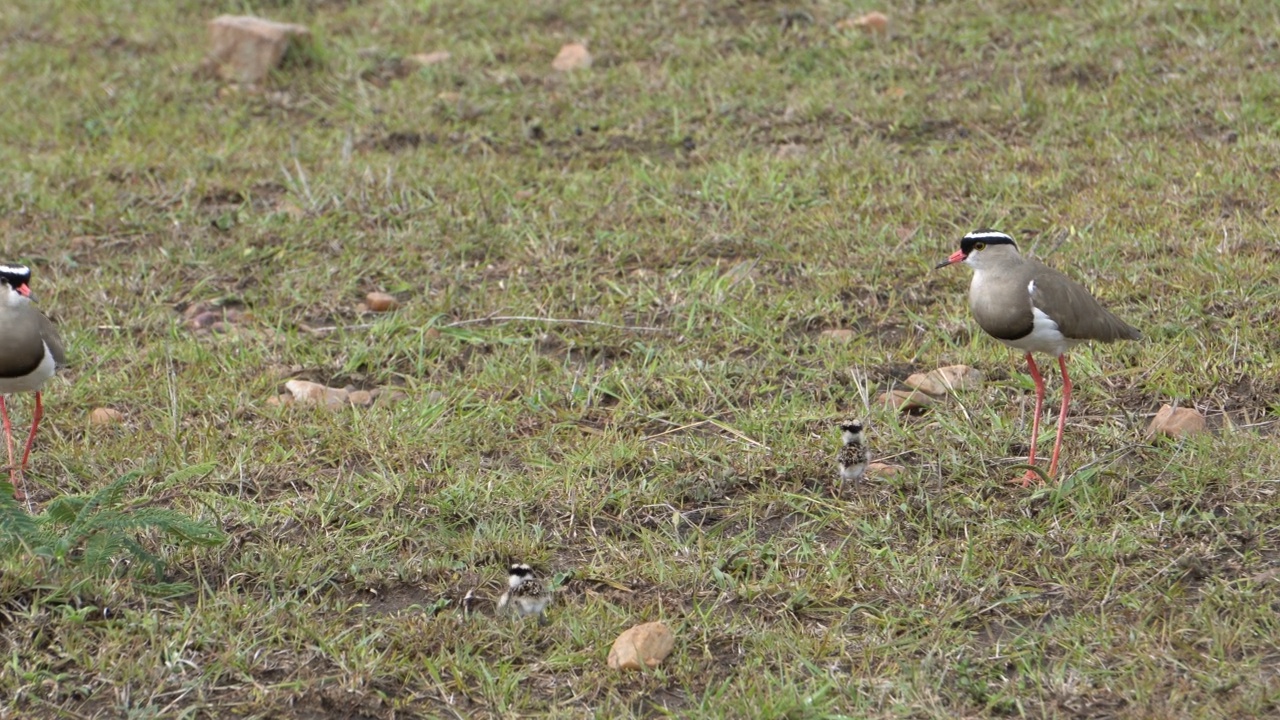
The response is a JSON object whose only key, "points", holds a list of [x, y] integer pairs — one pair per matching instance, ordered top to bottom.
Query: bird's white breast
{"points": [[1045, 337], [33, 380]]}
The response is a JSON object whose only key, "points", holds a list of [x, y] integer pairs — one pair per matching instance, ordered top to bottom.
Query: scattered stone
{"points": [[873, 23], [244, 49], [573, 56], [431, 58], [791, 150], [381, 302], [205, 319], [840, 335], [281, 371], [959, 377], [952, 378], [306, 392], [391, 397], [363, 398], [278, 400], [904, 400], [105, 416], [1176, 422], [885, 470], [641, 647]]}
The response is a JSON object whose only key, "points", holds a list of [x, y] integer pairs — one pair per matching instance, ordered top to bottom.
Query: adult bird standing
{"points": [[1027, 305], [30, 353]]}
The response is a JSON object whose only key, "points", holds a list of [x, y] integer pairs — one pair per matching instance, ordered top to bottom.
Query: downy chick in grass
{"points": [[853, 456], [526, 595]]}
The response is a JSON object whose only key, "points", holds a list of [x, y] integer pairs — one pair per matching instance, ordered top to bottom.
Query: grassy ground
{"points": [[730, 179]]}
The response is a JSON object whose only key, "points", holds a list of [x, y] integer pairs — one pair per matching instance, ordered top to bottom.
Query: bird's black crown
{"points": [[984, 237], [15, 276], [853, 426]]}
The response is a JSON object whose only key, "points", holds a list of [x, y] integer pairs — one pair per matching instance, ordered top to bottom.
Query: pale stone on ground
{"points": [[873, 23], [244, 48], [572, 57], [431, 58], [381, 302], [842, 335], [946, 379], [309, 393], [904, 400], [105, 416], [1177, 422], [879, 469], [642, 646]]}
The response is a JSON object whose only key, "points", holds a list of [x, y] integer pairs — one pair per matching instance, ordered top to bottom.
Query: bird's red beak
{"points": [[957, 256], [24, 290]]}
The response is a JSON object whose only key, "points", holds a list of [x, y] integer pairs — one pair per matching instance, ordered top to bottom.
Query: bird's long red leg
{"points": [[1062, 416], [1035, 419], [35, 427], [8, 436]]}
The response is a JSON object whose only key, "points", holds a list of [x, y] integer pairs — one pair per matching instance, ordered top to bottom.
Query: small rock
{"points": [[873, 23], [244, 48], [572, 57], [431, 58], [791, 150], [381, 302], [194, 309], [204, 319], [219, 327], [840, 335], [959, 377], [951, 378], [925, 383], [306, 392], [391, 397], [434, 397], [363, 398], [278, 400], [904, 400], [105, 416], [1176, 422], [879, 469], [643, 646]]}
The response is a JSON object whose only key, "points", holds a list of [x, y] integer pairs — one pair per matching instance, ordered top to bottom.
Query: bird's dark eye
{"points": [[979, 246]]}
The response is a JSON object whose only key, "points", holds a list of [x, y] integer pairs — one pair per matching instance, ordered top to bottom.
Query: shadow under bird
{"points": [[1029, 306], [30, 354]]}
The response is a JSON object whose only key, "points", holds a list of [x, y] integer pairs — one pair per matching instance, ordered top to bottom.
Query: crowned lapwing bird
{"points": [[1029, 306], [30, 353], [853, 456], [526, 595]]}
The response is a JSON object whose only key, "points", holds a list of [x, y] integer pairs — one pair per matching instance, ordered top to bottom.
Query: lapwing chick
{"points": [[1031, 307], [30, 353], [853, 456], [526, 595]]}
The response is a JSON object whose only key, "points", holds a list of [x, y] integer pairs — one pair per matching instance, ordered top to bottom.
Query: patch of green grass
{"points": [[727, 181]]}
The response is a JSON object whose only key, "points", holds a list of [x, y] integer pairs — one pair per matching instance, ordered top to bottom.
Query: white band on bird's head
{"points": [[987, 235]]}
